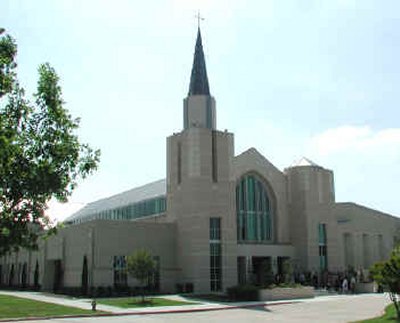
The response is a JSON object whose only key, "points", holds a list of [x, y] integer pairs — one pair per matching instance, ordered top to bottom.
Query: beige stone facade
{"points": [[216, 221]]}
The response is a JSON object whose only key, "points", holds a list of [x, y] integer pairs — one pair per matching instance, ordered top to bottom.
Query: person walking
{"points": [[353, 284], [345, 285]]}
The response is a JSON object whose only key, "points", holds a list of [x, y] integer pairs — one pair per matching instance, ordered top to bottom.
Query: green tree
{"points": [[8, 51], [41, 157], [140, 265], [387, 275]]}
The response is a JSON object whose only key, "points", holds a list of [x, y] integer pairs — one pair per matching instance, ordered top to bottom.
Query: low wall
{"points": [[366, 288], [280, 293]]}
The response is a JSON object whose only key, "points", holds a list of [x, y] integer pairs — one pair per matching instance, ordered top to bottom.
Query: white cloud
{"points": [[356, 139], [365, 163], [59, 211]]}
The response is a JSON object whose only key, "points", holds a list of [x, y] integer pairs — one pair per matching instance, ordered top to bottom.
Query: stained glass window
{"points": [[253, 211]]}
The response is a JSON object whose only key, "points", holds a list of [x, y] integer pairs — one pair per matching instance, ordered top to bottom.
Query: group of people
{"points": [[342, 282], [347, 285]]}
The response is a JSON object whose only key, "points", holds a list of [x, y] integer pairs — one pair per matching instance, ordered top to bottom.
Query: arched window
{"points": [[253, 207]]}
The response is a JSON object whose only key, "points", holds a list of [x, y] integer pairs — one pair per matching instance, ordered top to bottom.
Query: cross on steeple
{"points": [[199, 18]]}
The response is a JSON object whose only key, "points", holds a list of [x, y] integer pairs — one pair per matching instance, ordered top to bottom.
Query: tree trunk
{"points": [[143, 294], [393, 298], [397, 307]]}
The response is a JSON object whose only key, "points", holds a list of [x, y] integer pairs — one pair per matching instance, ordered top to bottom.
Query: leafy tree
{"points": [[8, 51], [40, 154], [140, 265], [287, 271], [387, 275]]}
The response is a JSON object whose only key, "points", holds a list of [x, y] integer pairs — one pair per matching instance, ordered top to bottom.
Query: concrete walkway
{"points": [[59, 299], [85, 303], [337, 308]]}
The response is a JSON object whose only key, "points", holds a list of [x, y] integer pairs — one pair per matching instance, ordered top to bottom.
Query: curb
{"points": [[193, 310]]}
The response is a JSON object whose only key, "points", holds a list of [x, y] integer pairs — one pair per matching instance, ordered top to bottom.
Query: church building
{"points": [[216, 221]]}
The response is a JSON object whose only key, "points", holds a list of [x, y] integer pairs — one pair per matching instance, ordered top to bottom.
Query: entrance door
{"points": [[284, 269], [262, 271]]}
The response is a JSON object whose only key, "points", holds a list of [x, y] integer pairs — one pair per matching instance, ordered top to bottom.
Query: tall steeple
{"points": [[198, 79], [199, 105]]}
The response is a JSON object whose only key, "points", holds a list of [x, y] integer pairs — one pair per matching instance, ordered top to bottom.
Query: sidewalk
{"points": [[85, 303], [200, 306]]}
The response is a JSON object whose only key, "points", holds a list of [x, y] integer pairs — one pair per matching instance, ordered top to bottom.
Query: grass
{"points": [[129, 302], [14, 307], [389, 316]]}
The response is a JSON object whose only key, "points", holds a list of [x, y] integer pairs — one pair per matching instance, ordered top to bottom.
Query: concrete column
{"points": [[359, 251], [274, 264], [249, 269]]}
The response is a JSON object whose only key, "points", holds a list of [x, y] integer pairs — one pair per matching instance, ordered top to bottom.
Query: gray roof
{"points": [[198, 79], [303, 162], [142, 193]]}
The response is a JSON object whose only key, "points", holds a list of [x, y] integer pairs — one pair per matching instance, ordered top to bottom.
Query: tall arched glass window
{"points": [[253, 207]]}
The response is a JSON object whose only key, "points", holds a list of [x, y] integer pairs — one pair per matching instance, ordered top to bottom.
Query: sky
{"points": [[318, 79]]}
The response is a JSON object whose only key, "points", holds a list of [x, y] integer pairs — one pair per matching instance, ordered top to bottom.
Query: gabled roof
{"points": [[254, 153], [145, 192]]}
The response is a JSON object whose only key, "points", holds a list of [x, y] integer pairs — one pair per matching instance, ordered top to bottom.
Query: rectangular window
{"points": [[215, 229], [322, 242], [215, 255], [120, 271]]}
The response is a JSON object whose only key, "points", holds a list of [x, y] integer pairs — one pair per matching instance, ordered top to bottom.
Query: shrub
{"points": [[387, 275], [284, 285], [179, 288], [189, 288], [122, 290], [71, 291], [109, 291], [101, 292], [243, 293]]}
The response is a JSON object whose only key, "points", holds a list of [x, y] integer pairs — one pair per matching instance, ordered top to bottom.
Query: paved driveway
{"points": [[322, 309]]}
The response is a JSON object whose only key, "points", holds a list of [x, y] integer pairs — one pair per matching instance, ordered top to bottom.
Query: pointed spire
{"points": [[198, 79]]}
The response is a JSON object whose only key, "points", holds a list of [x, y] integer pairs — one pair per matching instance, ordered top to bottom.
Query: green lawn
{"points": [[129, 302], [13, 307], [389, 316]]}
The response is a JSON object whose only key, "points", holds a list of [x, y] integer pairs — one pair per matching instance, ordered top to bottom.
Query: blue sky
{"points": [[291, 78]]}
